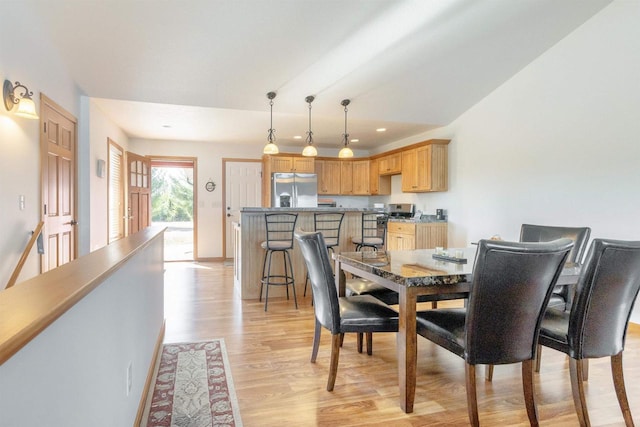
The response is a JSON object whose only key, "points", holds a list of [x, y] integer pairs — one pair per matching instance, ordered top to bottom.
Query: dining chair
{"points": [[512, 283], [562, 294], [340, 315], [596, 324]]}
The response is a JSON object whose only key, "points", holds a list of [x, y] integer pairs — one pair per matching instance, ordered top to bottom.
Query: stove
{"points": [[400, 210]]}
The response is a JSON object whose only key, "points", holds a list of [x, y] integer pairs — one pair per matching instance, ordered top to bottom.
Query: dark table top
{"points": [[419, 268]]}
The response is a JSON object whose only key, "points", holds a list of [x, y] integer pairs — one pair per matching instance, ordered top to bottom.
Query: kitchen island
{"points": [[251, 233]]}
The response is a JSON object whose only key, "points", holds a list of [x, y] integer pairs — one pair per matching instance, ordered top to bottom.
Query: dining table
{"points": [[413, 273]]}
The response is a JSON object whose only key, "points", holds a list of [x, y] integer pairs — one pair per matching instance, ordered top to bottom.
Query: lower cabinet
{"points": [[411, 235]]}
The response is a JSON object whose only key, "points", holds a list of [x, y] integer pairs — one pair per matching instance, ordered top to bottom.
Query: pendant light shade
{"points": [[271, 147], [310, 149], [345, 152]]}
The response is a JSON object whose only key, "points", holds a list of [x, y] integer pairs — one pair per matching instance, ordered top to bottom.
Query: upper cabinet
{"points": [[292, 164], [390, 164], [425, 168], [328, 176], [346, 177], [361, 177], [378, 185]]}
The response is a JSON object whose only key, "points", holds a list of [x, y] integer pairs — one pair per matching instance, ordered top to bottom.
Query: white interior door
{"points": [[243, 188]]}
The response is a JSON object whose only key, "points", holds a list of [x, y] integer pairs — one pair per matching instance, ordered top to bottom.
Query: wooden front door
{"points": [[58, 151], [139, 179]]}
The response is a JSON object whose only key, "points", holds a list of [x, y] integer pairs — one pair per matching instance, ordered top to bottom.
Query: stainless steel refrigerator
{"points": [[294, 190]]}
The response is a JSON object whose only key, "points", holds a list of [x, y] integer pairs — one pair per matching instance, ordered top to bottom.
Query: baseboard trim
{"points": [[211, 259], [150, 375]]}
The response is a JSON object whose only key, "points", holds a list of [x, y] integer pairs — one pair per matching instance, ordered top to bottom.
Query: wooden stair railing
{"points": [[25, 254]]}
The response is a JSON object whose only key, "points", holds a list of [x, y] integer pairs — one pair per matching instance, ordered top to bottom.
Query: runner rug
{"points": [[194, 387]]}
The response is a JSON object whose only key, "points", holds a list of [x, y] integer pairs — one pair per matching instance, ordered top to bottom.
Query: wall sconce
{"points": [[26, 106]]}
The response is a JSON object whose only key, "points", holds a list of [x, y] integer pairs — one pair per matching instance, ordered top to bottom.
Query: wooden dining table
{"points": [[413, 273]]}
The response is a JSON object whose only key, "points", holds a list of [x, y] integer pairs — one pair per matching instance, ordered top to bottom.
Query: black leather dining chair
{"points": [[329, 224], [512, 283], [562, 294], [340, 315], [596, 324]]}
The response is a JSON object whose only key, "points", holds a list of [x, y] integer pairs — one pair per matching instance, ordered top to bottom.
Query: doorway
{"points": [[58, 139], [242, 188], [173, 198]]}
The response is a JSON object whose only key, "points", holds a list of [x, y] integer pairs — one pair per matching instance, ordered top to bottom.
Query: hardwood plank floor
{"points": [[276, 384]]}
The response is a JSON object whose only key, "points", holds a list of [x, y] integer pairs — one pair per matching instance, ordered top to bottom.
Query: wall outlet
{"points": [[129, 377]]}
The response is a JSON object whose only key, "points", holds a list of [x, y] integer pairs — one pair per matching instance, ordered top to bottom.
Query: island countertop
{"points": [[313, 209]]}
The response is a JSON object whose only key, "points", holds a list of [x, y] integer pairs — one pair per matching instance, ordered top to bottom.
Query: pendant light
{"points": [[271, 147], [309, 150], [346, 152]]}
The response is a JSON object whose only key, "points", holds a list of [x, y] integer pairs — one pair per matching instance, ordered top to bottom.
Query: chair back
{"points": [[329, 225], [280, 228], [374, 228], [547, 233], [512, 283], [325, 294], [605, 295]]}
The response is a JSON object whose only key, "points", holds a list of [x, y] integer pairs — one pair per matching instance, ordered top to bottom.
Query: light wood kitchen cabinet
{"points": [[292, 164], [390, 164], [425, 169], [328, 172], [346, 177], [361, 177], [378, 185], [411, 235], [401, 236]]}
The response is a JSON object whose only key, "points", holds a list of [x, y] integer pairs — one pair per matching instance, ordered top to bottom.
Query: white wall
{"points": [[25, 56], [559, 143], [209, 209], [74, 373]]}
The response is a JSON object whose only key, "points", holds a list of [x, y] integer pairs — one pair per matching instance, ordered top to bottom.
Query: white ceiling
{"points": [[204, 67]]}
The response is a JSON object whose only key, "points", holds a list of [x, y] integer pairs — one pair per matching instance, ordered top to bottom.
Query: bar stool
{"points": [[328, 224], [279, 227], [374, 230]]}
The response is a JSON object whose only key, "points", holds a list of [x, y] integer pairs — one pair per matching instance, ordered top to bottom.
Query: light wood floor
{"points": [[276, 384]]}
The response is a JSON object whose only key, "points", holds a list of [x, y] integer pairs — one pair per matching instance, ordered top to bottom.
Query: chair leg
{"points": [[264, 266], [286, 272], [293, 283], [266, 294], [434, 304], [341, 339], [316, 341], [359, 342], [369, 343], [335, 355], [538, 357], [488, 373], [618, 382], [577, 390], [529, 395], [472, 398]]}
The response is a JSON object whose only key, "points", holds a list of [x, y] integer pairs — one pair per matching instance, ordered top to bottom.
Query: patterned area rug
{"points": [[194, 387]]}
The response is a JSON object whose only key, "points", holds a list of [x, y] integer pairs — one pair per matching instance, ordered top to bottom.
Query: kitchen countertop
{"points": [[316, 209], [422, 219]]}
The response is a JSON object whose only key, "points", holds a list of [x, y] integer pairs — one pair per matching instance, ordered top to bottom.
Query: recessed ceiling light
{"points": [[166, 126], [381, 130], [297, 137], [355, 140]]}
